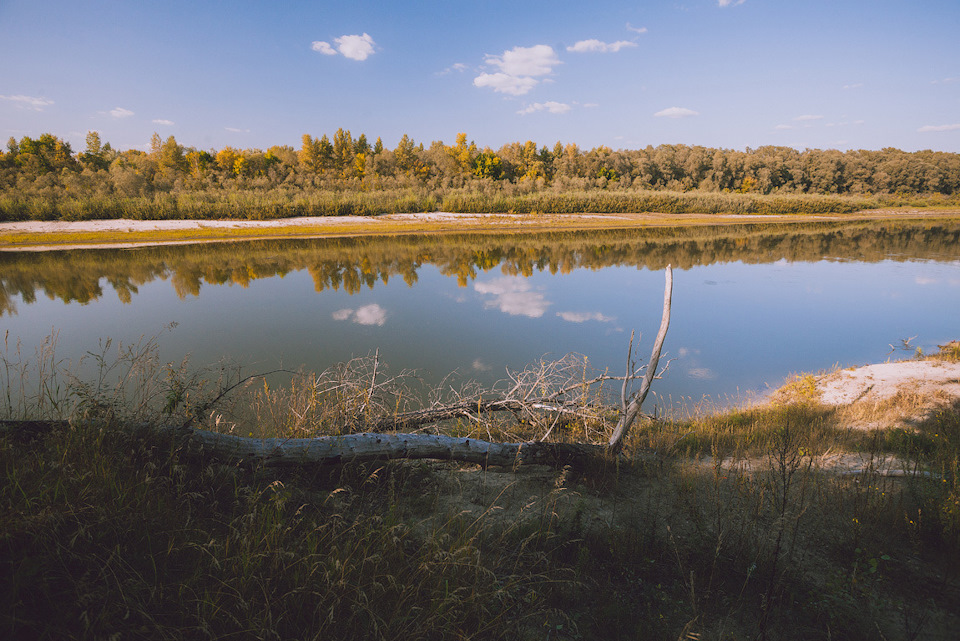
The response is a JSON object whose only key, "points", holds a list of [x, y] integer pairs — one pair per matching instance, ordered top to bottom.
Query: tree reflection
{"points": [[352, 264]]}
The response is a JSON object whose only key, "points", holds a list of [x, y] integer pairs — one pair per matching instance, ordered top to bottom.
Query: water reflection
{"points": [[353, 264], [513, 295], [752, 304], [366, 315]]}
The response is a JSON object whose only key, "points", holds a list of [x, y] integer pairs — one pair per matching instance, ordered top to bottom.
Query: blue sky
{"points": [[845, 74]]}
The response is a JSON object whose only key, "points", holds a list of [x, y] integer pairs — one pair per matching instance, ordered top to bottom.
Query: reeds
{"points": [[287, 202]]}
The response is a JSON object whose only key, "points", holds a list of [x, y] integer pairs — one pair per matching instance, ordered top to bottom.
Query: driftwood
{"points": [[390, 438], [371, 447]]}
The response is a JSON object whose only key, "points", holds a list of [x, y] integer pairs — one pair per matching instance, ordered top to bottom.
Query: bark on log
{"points": [[363, 447], [372, 447]]}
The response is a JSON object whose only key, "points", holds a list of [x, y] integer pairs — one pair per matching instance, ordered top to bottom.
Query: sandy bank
{"points": [[36, 235], [883, 381], [899, 394]]}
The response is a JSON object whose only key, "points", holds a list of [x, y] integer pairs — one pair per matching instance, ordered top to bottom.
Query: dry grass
{"points": [[721, 526]]}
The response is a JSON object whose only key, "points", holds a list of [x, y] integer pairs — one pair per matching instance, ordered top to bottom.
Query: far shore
{"points": [[43, 235]]}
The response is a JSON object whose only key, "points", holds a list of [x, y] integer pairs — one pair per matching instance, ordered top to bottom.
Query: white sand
{"points": [[124, 224], [884, 380]]}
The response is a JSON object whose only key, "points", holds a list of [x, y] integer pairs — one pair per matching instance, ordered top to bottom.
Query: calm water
{"points": [[752, 304]]}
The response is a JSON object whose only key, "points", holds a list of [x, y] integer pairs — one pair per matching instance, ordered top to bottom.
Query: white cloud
{"points": [[729, 3], [636, 29], [353, 46], [596, 46], [323, 47], [537, 60], [458, 67], [518, 69], [946, 81], [504, 83], [855, 85], [28, 102], [552, 107], [120, 112], [676, 112], [807, 118], [163, 121], [784, 127], [931, 128], [235, 130], [512, 295], [367, 315], [582, 317], [702, 373]]}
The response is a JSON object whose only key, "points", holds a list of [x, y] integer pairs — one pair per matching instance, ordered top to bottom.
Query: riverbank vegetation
{"points": [[43, 179], [709, 527]]}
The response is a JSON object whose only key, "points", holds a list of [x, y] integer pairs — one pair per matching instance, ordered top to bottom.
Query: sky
{"points": [[732, 74]]}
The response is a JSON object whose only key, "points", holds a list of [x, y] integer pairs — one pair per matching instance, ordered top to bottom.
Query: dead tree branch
{"points": [[632, 408]]}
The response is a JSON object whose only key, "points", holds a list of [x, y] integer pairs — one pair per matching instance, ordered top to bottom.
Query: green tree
{"points": [[155, 145], [361, 146], [343, 152], [324, 153], [309, 154], [405, 154], [464, 154], [43, 155], [93, 157], [171, 159], [226, 159], [198, 162], [488, 165]]}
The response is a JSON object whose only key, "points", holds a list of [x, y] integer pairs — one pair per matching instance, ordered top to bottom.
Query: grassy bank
{"points": [[720, 526]]}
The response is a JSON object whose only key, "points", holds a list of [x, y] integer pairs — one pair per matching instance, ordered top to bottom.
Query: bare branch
{"points": [[628, 376], [633, 408]]}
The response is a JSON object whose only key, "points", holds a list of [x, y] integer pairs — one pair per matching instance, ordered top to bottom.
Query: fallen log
{"points": [[349, 448], [326, 450]]}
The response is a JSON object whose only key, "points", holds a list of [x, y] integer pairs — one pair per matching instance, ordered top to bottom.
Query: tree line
{"points": [[47, 167]]}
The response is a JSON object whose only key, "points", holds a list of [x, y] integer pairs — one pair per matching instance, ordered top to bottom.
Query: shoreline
{"points": [[128, 233]]}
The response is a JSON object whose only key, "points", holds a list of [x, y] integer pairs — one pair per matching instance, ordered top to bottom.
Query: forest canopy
{"points": [[46, 178]]}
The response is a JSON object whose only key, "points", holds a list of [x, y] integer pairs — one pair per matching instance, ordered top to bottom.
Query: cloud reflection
{"points": [[512, 295], [367, 315], [582, 317], [480, 366], [701, 373]]}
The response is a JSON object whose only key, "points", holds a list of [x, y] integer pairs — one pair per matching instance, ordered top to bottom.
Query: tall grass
{"points": [[284, 202], [714, 527]]}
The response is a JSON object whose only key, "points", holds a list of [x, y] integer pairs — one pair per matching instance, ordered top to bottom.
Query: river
{"points": [[753, 304]]}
